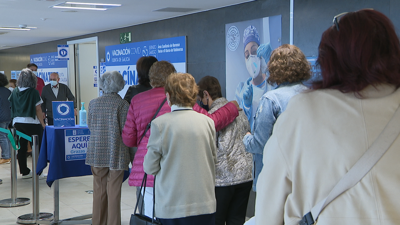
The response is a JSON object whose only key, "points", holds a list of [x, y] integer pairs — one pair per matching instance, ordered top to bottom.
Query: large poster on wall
{"points": [[123, 57], [48, 63], [246, 72]]}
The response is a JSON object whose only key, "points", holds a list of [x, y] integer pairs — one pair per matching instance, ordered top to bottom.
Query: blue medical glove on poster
{"points": [[248, 96]]}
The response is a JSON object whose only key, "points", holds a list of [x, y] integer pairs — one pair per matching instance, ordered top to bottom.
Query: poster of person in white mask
{"points": [[248, 48]]}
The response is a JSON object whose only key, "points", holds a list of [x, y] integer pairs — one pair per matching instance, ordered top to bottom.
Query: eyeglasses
{"points": [[336, 18]]}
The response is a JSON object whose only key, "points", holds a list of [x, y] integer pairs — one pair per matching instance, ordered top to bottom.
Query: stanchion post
{"points": [[13, 169], [35, 177], [56, 200], [14, 201], [36, 217]]}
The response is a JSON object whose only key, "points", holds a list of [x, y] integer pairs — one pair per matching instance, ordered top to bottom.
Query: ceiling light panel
{"points": [[99, 4], [85, 6], [178, 10], [14, 28]]}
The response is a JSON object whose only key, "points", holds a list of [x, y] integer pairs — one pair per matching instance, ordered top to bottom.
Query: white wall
{"points": [[87, 58]]}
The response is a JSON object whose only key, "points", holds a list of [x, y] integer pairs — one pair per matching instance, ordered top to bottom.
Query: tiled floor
{"points": [[74, 201]]}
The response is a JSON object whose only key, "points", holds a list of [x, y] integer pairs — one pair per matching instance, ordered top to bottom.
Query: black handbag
{"points": [[138, 218]]}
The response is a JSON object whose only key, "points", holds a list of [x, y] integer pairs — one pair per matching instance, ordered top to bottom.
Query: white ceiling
{"points": [[53, 24]]}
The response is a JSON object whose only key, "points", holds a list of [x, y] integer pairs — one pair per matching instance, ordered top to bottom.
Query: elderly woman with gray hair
{"points": [[26, 113], [106, 154]]}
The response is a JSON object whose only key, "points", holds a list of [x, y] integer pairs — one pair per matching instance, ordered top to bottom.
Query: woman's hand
{"points": [[236, 104], [39, 115]]}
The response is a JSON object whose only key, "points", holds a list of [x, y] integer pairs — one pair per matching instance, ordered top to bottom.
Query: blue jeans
{"points": [[4, 142]]}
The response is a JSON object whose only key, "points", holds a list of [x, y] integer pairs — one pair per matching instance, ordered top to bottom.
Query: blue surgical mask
{"points": [[253, 64], [34, 72], [53, 83]]}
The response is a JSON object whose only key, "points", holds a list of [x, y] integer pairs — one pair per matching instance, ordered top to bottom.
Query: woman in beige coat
{"points": [[323, 133], [181, 153]]}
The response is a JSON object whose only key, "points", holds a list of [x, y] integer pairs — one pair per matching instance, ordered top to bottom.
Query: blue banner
{"points": [[170, 49], [123, 58], [48, 60], [48, 63], [63, 114]]}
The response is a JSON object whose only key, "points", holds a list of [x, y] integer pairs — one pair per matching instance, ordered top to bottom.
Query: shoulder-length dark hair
{"points": [[362, 50], [143, 67], [3, 80], [211, 85]]}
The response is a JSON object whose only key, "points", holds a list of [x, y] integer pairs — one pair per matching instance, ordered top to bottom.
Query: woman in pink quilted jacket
{"points": [[141, 111]]}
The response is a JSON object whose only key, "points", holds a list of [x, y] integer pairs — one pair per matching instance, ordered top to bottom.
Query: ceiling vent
{"points": [[178, 10]]}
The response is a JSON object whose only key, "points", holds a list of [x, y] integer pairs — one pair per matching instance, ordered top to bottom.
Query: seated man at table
{"points": [[55, 91]]}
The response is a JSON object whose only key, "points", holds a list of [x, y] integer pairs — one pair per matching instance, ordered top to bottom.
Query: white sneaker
{"points": [[29, 175], [42, 176]]}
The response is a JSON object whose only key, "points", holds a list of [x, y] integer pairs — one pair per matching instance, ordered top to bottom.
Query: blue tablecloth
{"points": [[53, 151]]}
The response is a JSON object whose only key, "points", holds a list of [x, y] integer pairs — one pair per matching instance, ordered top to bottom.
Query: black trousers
{"points": [[28, 129], [232, 203], [205, 219]]}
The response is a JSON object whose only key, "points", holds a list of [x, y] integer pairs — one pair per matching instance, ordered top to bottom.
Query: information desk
{"points": [[65, 149]]}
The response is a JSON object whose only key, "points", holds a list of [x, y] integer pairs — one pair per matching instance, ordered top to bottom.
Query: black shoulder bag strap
{"points": [[155, 115]]}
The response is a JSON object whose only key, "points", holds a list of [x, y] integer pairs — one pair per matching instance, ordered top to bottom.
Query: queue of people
{"points": [[24, 108], [203, 154]]}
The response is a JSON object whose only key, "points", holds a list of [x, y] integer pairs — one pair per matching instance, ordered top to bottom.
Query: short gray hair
{"points": [[27, 79], [111, 82]]}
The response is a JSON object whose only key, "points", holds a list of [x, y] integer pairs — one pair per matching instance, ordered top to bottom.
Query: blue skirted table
{"points": [[65, 150]]}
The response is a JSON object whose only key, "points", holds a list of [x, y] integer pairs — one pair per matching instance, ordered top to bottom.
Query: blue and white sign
{"points": [[63, 53], [123, 57], [47, 63], [315, 71], [15, 74], [94, 76], [63, 114], [76, 142]]}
